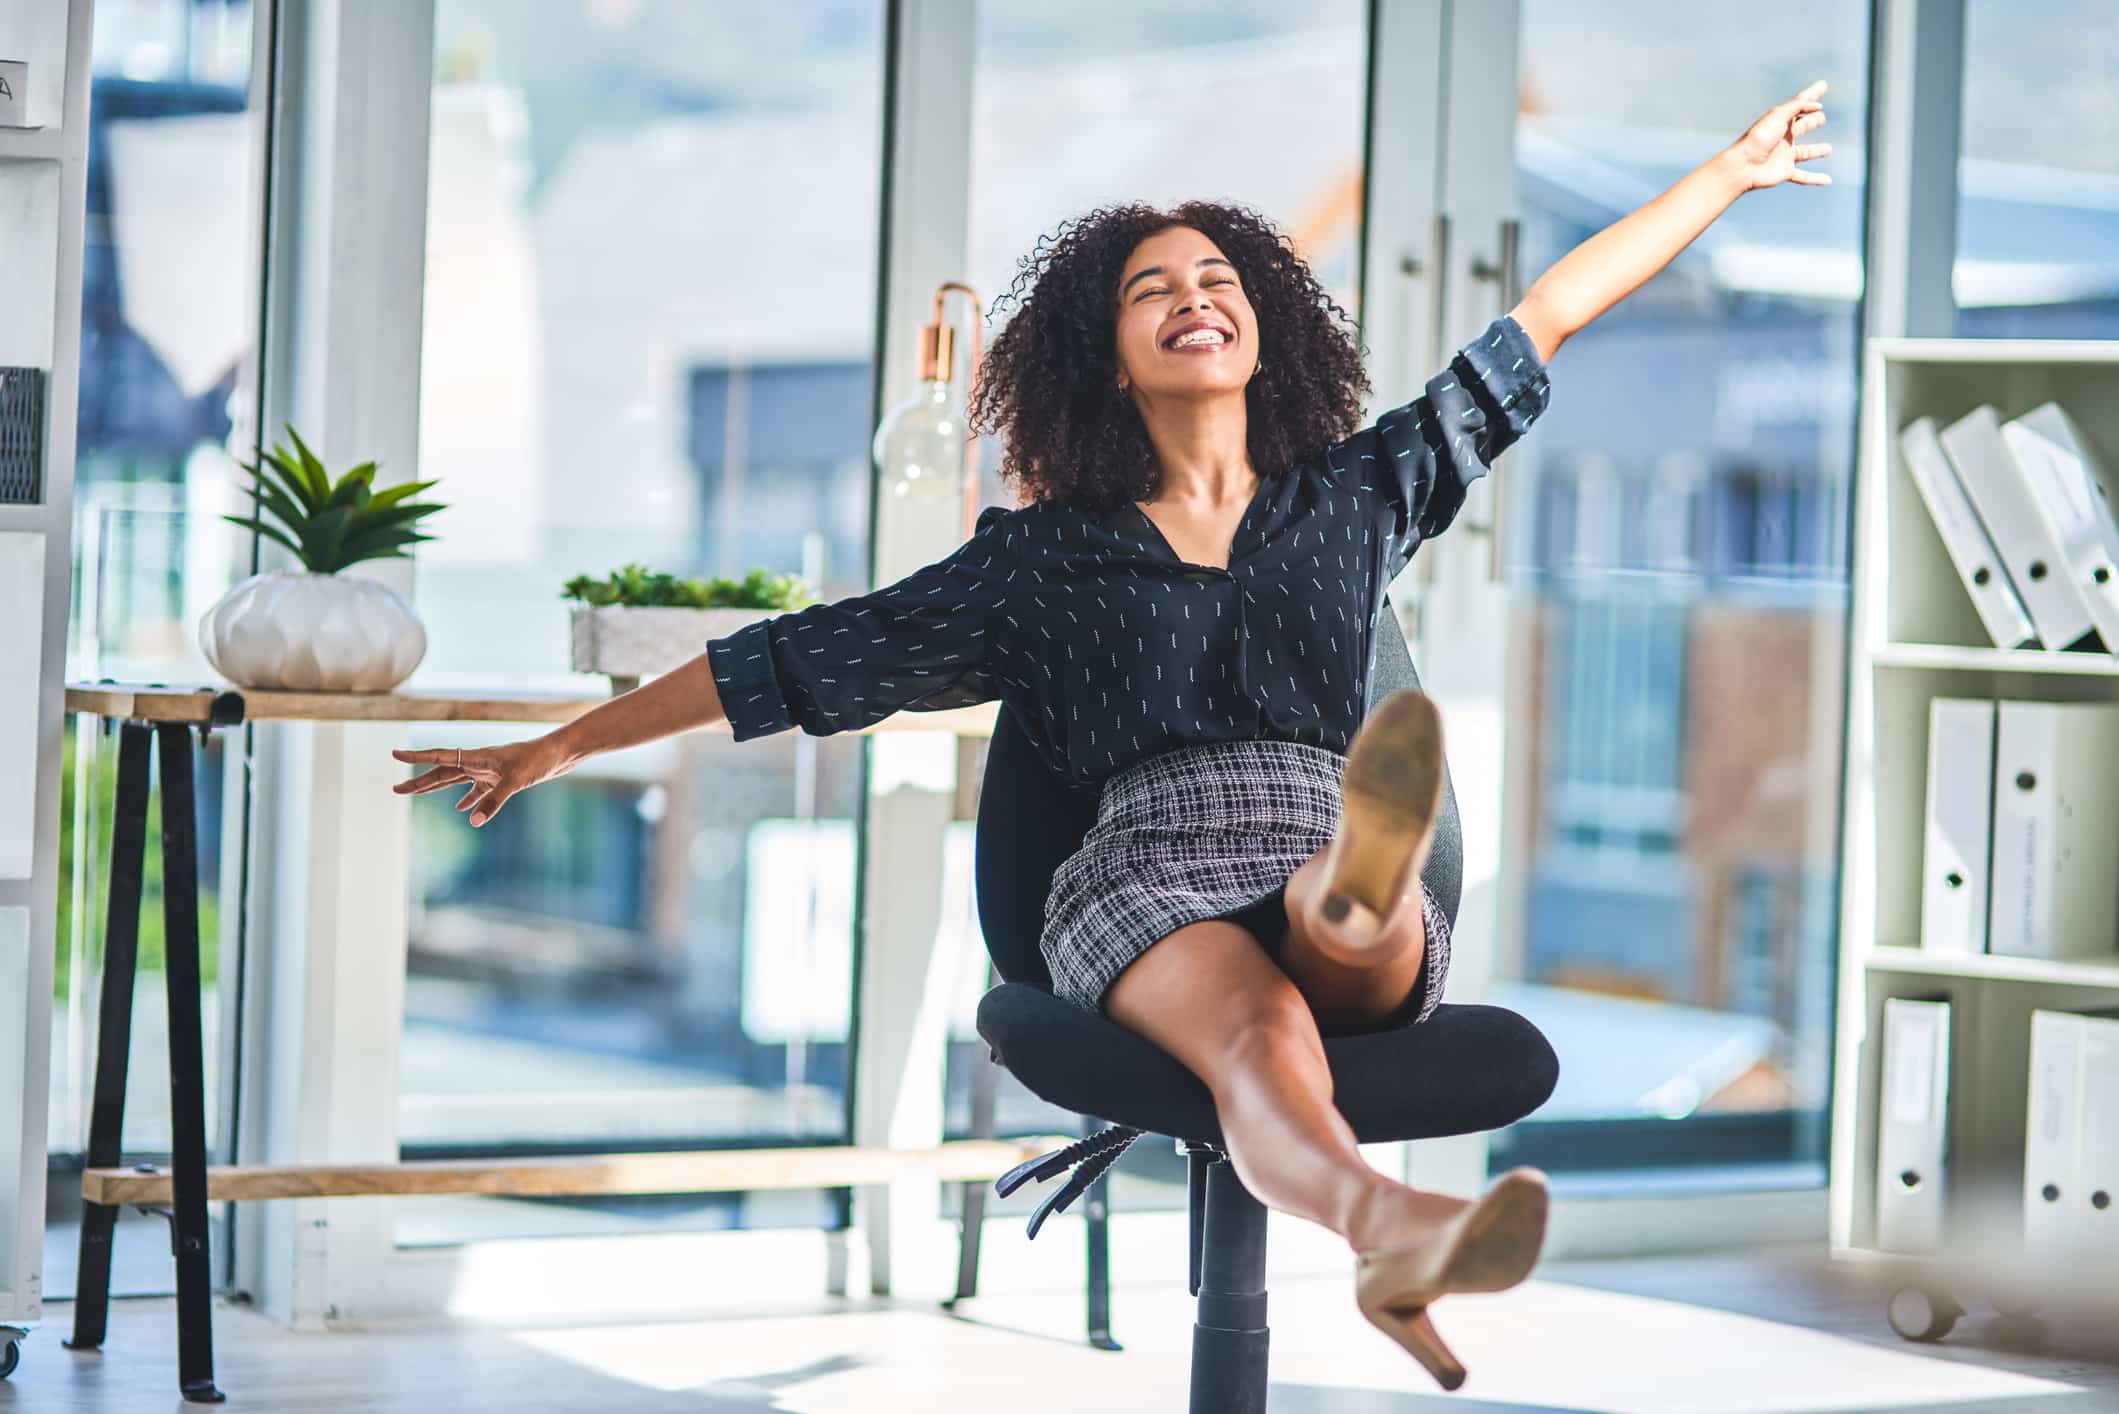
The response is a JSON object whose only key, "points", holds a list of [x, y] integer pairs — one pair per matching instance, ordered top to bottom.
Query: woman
{"points": [[1182, 613]]}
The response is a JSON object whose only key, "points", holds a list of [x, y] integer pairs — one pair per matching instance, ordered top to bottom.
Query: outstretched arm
{"points": [[1619, 259], [919, 644], [676, 701]]}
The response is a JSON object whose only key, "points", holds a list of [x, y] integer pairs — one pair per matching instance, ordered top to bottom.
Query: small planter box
{"points": [[630, 643]]}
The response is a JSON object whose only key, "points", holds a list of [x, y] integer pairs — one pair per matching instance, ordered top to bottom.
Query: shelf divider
{"points": [[31, 144], [1959, 658], [2065, 972]]}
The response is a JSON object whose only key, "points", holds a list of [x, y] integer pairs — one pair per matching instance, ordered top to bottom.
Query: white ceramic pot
{"points": [[308, 632], [630, 643]]}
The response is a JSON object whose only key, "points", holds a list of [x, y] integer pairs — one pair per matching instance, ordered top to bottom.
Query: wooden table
{"points": [[208, 707], [147, 712]]}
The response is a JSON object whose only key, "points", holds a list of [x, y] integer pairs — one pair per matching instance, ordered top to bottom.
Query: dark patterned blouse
{"points": [[1108, 646]]}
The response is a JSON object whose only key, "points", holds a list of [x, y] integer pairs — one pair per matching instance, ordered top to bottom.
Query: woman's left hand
{"points": [[1767, 155]]}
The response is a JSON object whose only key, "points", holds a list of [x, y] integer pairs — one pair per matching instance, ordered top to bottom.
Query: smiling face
{"points": [[1185, 327]]}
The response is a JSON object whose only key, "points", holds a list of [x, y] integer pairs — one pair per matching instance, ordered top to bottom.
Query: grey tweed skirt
{"points": [[1204, 832]]}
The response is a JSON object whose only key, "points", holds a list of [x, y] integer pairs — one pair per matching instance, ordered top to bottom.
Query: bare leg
{"points": [[1211, 997]]}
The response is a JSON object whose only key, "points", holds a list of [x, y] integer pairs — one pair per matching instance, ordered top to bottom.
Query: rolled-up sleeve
{"points": [[1425, 454], [921, 644]]}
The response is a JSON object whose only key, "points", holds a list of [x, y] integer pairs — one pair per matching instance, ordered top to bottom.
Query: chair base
{"points": [[1228, 1252], [1229, 1335]]}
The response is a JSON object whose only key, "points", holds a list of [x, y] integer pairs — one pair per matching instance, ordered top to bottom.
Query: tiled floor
{"points": [[1748, 1332]]}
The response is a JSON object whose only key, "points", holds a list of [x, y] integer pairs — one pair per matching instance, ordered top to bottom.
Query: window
{"points": [[2038, 172], [650, 306], [778, 452], [1777, 524], [1683, 596], [1615, 730]]}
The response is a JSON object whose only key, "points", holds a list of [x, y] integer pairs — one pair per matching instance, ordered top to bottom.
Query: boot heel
{"points": [[1490, 1246], [1414, 1331]]}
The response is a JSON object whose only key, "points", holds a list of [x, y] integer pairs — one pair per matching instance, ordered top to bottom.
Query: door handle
{"points": [[1503, 272], [1506, 276], [1437, 290], [1437, 313]]}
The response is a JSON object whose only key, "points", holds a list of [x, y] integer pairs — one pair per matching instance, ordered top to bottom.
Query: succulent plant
{"points": [[329, 522], [635, 586]]}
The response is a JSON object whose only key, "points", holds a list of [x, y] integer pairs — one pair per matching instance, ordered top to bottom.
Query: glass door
{"points": [[1641, 661], [657, 951]]}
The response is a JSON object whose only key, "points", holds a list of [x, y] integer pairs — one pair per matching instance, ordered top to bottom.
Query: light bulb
{"points": [[919, 449]]}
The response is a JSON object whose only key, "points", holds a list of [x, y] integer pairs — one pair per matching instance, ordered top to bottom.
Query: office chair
{"points": [[1465, 1069]]}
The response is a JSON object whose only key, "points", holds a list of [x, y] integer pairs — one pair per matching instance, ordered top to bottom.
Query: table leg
{"points": [[121, 947], [187, 1067], [985, 1088], [973, 1226], [1097, 1227]]}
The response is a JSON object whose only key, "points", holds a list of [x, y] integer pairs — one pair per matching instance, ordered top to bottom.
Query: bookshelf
{"points": [[43, 176], [1915, 637]]}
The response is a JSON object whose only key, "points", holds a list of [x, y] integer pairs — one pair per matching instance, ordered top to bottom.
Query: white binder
{"points": [[2054, 454], [2007, 502], [1971, 549], [1959, 826], [2053, 887], [2051, 1118], [1912, 1131], [2071, 1143], [2094, 1222]]}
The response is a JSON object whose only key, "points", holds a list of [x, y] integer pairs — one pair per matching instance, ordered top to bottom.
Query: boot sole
{"points": [[1391, 793]]}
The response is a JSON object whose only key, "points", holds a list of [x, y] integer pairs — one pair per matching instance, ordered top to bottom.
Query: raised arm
{"points": [[1619, 259], [1421, 458]]}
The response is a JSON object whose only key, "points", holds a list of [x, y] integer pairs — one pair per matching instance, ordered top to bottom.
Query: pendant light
{"points": [[923, 448]]}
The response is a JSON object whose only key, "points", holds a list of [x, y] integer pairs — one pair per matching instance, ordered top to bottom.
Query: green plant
{"points": [[331, 523], [634, 586]]}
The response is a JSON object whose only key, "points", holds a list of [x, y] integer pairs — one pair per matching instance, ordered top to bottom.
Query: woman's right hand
{"points": [[494, 773]]}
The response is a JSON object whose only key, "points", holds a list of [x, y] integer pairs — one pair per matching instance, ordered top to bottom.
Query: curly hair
{"points": [[1048, 384]]}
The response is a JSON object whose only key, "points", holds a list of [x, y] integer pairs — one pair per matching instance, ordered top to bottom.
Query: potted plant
{"points": [[634, 622], [313, 629]]}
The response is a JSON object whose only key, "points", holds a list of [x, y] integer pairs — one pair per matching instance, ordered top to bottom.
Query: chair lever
{"points": [[1059, 1161], [1092, 1168], [1039, 1169]]}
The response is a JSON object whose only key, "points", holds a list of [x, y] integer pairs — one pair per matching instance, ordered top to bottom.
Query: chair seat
{"points": [[1464, 1070]]}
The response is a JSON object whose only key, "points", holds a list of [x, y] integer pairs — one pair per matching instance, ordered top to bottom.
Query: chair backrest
{"points": [[1030, 820]]}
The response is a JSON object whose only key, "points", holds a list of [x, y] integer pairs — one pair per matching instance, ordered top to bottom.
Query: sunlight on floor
{"points": [[1541, 1346]]}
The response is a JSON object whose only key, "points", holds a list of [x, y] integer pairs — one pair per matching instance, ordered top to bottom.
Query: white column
{"points": [[1916, 76], [1402, 168], [1441, 172], [1400, 275], [328, 906], [904, 977]]}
